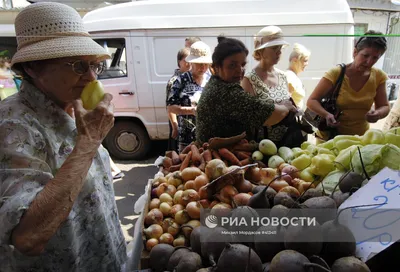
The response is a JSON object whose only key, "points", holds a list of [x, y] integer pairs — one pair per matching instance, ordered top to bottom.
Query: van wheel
{"points": [[127, 141]]}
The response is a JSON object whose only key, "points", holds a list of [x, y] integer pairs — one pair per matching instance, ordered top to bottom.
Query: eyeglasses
{"points": [[81, 67]]}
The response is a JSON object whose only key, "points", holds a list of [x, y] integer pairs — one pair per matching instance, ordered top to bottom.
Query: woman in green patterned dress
{"points": [[225, 109]]}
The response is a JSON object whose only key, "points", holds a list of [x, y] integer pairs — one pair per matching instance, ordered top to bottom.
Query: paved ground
{"points": [[132, 185]]}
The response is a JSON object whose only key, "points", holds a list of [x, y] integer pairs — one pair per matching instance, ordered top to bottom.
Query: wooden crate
{"points": [[144, 258]]}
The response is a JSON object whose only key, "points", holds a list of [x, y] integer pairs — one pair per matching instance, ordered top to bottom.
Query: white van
{"points": [[145, 36]]}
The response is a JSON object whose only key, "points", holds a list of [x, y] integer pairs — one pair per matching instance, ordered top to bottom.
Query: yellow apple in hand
{"points": [[92, 94]]}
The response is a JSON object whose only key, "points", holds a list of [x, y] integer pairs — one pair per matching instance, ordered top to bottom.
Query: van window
{"points": [[116, 66]]}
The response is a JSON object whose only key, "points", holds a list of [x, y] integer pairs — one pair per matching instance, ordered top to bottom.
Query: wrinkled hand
{"points": [[289, 105], [372, 116], [331, 121], [93, 125], [174, 131]]}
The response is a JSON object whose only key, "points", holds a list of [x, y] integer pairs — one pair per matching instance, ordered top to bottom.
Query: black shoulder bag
{"points": [[329, 104]]}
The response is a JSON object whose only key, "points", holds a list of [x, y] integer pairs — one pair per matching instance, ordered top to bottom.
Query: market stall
{"points": [[181, 227]]}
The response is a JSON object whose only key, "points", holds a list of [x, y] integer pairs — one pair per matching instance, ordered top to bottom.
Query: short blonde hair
{"points": [[299, 52]]}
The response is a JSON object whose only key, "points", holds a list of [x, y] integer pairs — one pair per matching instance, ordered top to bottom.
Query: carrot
{"points": [[243, 141], [217, 142], [206, 146], [250, 147], [186, 149], [207, 155], [215, 155], [241, 155], [229, 156], [182, 157], [175, 158], [196, 158], [167, 162], [186, 162], [245, 162], [202, 165], [174, 168]]}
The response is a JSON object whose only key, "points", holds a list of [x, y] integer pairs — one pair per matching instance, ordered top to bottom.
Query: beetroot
{"points": [[159, 257], [238, 258]]}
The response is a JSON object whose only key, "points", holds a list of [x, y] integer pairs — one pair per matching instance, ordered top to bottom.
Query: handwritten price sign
{"points": [[374, 227]]}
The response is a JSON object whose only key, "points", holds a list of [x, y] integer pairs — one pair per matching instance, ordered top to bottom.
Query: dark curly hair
{"points": [[369, 40], [227, 47]]}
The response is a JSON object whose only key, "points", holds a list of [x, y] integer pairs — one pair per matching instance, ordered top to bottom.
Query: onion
{"points": [[215, 168], [291, 170], [287, 178], [175, 179], [157, 181], [200, 181], [189, 185], [277, 185], [244, 186], [180, 187], [161, 189], [171, 190], [228, 192], [293, 192], [154, 193], [203, 194], [189, 196], [178, 197], [166, 198], [241, 199], [154, 203], [205, 203], [212, 204], [165, 208], [176, 208], [193, 209], [221, 209], [154, 216], [182, 217], [166, 223], [189, 227], [174, 229], [154, 231], [166, 238], [180, 241], [151, 243]]}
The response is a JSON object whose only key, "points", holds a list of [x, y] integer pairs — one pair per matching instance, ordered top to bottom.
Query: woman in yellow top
{"points": [[298, 61], [363, 86]]}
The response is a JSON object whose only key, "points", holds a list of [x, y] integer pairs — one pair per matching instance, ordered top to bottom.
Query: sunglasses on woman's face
{"points": [[81, 67]]}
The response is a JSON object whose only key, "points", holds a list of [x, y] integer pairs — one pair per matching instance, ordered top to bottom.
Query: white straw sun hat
{"points": [[52, 30], [269, 36], [199, 53]]}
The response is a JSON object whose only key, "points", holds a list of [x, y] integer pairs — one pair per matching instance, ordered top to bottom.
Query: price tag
{"points": [[375, 227]]}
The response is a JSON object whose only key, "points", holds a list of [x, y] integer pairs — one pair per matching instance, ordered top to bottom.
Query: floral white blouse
{"points": [[36, 137]]}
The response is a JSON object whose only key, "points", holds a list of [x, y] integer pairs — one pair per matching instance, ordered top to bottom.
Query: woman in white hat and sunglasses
{"points": [[267, 82], [186, 91], [57, 204]]}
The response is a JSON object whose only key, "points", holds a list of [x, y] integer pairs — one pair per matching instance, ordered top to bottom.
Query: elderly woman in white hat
{"points": [[267, 82], [186, 91], [57, 204]]}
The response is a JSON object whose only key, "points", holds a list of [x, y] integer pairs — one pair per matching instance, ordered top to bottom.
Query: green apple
{"points": [[92, 94], [395, 130], [267, 147], [257, 156], [274, 161]]}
